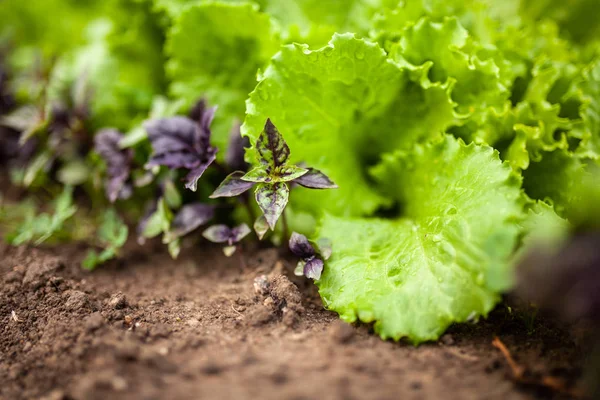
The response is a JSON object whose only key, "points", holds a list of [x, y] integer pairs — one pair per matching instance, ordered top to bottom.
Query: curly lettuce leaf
{"points": [[576, 18], [215, 50], [451, 56], [587, 91], [553, 179], [444, 260]]}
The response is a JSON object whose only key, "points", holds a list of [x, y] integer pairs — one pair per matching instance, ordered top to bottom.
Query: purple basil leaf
{"points": [[203, 116], [174, 141], [180, 142], [106, 144], [273, 150], [234, 158], [191, 179], [315, 179], [232, 186], [272, 199], [190, 217], [238, 233], [218, 234], [300, 246], [313, 268]]}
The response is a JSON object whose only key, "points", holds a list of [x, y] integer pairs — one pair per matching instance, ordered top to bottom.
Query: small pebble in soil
{"points": [[261, 285], [118, 301], [94, 322], [341, 332], [416, 385]]}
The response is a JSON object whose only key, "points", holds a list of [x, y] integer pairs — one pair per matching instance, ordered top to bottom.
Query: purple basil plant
{"points": [[182, 142], [272, 176], [311, 260]]}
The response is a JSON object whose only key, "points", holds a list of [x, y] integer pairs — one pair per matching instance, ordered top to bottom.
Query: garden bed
{"points": [[148, 327]]}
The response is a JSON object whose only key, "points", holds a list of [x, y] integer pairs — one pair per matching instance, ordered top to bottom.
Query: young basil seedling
{"points": [[272, 176], [225, 234], [311, 259]]}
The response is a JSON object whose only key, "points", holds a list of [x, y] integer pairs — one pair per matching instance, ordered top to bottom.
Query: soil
{"points": [[203, 327]]}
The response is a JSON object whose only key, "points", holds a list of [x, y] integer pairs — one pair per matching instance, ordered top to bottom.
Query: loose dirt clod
{"points": [[75, 300], [117, 301]]}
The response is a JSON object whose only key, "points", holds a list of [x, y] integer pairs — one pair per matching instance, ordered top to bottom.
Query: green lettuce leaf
{"points": [[576, 18], [215, 50], [587, 92], [339, 108], [553, 179], [445, 260]]}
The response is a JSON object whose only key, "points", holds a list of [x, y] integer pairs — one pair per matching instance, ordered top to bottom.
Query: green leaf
{"points": [[215, 50], [589, 131], [74, 173], [258, 174], [554, 178], [171, 194], [160, 221], [39, 228], [111, 235], [445, 260]]}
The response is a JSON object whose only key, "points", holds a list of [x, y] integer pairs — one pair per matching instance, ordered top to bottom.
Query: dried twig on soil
{"points": [[520, 376]]}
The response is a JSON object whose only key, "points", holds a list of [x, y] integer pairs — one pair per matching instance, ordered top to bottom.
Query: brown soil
{"points": [[204, 328]]}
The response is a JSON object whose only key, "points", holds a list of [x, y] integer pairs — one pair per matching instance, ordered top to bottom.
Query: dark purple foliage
{"points": [[181, 142], [272, 148], [118, 163], [315, 179], [232, 186], [190, 217], [224, 234], [310, 261], [566, 281]]}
